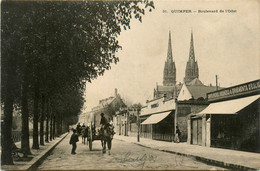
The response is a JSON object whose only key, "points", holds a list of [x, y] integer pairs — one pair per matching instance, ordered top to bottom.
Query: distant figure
{"points": [[103, 121], [78, 128], [84, 134], [177, 135], [73, 140]]}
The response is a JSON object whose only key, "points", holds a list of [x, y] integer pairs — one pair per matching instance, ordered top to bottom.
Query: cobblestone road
{"points": [[123, 156]]}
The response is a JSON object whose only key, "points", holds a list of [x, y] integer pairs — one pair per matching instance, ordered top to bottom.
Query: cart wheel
{"points": [[90, 145]]}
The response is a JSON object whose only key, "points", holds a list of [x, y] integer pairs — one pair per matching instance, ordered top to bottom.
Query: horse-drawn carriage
{"points": [[105, 135]]}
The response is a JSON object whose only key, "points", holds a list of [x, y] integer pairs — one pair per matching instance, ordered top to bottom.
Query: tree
{"points": [[52, 48], [10, 81]]}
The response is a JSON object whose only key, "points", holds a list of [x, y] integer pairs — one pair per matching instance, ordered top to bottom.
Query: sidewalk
{"points": [[37, 155], [221, 157]]}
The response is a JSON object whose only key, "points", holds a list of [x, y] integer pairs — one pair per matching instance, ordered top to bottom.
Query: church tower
{"points": [[192, 69], [169, 73]]}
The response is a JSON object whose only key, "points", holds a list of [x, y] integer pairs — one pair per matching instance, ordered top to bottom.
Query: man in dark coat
{"points": [[103, 121], [78, 128], [73, 140]]}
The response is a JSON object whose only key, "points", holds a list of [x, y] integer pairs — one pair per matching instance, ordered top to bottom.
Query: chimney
{"points": [[115, 92]]}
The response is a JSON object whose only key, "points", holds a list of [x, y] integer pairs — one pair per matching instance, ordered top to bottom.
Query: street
{"points": [[123, 156]]}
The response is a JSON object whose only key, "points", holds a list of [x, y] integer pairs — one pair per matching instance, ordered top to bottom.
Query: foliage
{"points": [[64, 44], [54, 48]]}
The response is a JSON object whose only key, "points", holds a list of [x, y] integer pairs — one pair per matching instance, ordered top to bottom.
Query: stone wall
{"points": [[184, 109]]}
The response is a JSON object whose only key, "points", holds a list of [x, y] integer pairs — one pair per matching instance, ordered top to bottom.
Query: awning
{"points": [[230, 106], [155, 118]]}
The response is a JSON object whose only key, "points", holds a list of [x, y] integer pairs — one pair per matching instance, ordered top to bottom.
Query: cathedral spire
{"points": [[169, 53], [191, 55], [192, 69], [169, 72]]}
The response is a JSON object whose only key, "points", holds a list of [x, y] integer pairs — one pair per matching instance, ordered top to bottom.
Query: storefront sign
{"points": [[239, 89]]}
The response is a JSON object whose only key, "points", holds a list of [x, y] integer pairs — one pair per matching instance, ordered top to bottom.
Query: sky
{"points": [[225, 44]]}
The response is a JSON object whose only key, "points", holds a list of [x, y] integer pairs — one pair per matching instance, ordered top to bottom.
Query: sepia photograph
{"points": [[130, 85]]}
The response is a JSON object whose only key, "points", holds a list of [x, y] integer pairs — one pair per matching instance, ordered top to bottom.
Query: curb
{"points": [[201, 159], [211, 161], [32, 165]]}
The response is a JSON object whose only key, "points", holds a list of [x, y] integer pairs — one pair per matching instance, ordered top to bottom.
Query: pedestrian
{"points": [[103, 123], [78, 128], [177, 135], [73, 140]]}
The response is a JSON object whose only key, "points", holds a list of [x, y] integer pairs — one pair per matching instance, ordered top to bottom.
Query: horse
{"points": [[84, 133], [107, 137]]}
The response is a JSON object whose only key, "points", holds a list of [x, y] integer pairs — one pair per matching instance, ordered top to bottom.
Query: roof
{"points": [[195, 81], [178, 87], [165, 88], [198, 91], [107, 101]]}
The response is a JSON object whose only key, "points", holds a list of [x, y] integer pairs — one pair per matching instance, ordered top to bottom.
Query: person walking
{"points": [[78, 128], [177, 135], [73, 141]]}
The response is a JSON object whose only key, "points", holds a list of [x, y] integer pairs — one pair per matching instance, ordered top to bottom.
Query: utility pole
{"points": [[216, 82], [175, 117], [138, 125]]}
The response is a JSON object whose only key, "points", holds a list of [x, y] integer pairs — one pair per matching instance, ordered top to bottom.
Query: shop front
{"points": [[157, 119], [232, 123], [160, 126]]}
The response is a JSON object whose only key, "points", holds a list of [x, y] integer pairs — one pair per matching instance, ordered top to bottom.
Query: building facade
{"points": [[169, 76], [186, 98], [108, 106], [157, 119], [125, 121], [230, 121]]}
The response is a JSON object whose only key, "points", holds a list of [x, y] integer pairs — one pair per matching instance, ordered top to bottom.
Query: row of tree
{"points": [[49, 51]]}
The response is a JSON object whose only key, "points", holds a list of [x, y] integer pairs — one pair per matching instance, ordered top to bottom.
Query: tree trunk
{"points": [[8, 58], [36, 116], [42, 121], [47, 122], [58, 124], [62, 125], [51, 126], [53, 134], [6, 135], [25, 144]]}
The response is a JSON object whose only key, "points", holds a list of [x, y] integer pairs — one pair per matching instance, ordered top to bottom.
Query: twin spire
{"points": [[169, 52], [192, 71]]}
